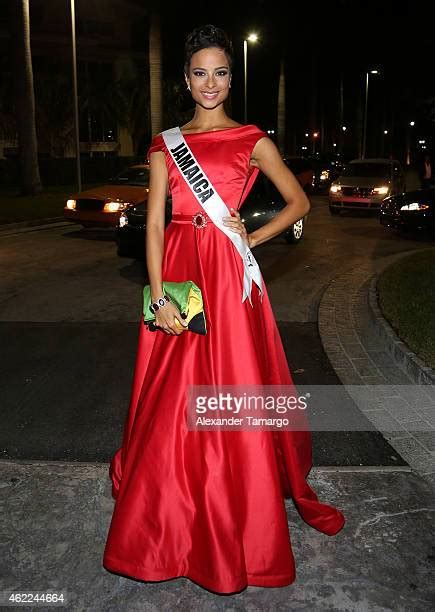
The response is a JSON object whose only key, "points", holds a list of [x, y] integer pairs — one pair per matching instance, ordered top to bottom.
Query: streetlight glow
{"points": [[252, 37]]}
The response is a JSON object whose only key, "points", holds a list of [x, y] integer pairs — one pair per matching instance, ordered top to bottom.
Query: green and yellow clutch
{"points": [[187, 297]]}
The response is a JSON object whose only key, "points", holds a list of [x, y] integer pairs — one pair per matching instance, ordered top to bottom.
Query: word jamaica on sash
{"points": [[190, 170]]}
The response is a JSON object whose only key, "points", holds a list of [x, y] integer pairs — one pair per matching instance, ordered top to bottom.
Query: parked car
{"points": [[365, 183], [265, 201], [262, 204], [102, 206], [412, 210], [130, 231]]}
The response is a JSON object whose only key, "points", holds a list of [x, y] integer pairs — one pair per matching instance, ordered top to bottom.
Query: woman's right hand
{"points": [[165, 319]]}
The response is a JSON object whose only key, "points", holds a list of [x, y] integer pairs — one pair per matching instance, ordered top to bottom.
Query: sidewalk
{"points": [[364, 350], [59, 514]]}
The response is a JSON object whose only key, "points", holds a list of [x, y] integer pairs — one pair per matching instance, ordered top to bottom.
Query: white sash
{"points": [[212, 203]]}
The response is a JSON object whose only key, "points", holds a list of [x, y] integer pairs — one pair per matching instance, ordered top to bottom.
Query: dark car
{"points": [[262, 204], [412, 210], [130, 232]]}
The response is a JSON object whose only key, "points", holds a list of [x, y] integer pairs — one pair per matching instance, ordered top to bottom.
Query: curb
{"points": [[361, 352], [406, 359], [104, 466]]}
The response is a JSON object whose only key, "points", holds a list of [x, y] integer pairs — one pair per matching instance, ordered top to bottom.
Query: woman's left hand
{"points": [[236, 224]]}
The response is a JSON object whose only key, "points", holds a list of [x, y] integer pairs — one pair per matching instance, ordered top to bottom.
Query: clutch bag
{"points": [[187, 297]]}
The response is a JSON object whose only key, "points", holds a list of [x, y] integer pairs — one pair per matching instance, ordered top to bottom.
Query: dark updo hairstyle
{"points": [[203, 37]]}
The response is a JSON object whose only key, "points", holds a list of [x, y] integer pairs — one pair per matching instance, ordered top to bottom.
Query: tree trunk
{"points": [[155, 59], [24, 98]]}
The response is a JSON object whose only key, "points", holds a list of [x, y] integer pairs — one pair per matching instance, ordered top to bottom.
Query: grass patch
{"points": [[48, 203], [407, 300]]}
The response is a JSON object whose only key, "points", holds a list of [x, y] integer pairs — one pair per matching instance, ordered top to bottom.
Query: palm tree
{"points": [[155, 59], [24, 97], [178, 102], [54, 110], [133, 116], [8, 125]]}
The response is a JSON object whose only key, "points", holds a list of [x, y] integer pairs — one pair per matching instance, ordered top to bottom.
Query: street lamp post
{"points": [[250, 38], [75, 97], [411, 124], [343, 133], [315, 136], [383, 142], [363, 153]]}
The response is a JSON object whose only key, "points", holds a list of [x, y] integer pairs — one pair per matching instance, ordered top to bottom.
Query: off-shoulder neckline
{"points": [[240, 131]]}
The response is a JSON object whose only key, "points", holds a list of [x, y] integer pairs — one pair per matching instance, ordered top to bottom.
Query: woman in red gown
{"points": [[209, 505]]}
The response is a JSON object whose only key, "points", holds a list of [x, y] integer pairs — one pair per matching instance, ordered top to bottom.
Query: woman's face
{"points": [[209, 77]]}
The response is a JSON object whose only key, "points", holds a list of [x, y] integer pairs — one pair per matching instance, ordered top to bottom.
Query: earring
{"points": [[188, 87]]}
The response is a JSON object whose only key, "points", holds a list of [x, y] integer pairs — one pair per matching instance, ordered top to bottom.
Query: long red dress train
{"points": [[209, 505]]}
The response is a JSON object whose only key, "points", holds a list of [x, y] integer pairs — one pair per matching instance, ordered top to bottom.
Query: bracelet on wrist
{"points": [[159, 303]]}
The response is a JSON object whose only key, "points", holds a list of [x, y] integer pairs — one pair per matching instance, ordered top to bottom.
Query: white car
{"points": [[365, 183]]}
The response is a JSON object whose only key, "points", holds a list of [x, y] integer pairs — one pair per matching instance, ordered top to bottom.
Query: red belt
{"points": [[199, 219]]}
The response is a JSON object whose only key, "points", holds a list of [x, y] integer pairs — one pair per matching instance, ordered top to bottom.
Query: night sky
{"points": [[320, 41]]}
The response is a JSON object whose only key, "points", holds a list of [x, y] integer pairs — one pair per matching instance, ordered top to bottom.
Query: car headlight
{"points": [[324, 175], [335, 188], [381, 190], [71, 204], [115, 206], [415, 206], [123, 220]]}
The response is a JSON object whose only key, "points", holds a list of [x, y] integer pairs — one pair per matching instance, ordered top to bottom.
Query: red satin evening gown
{"points": [[209, 505]]}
